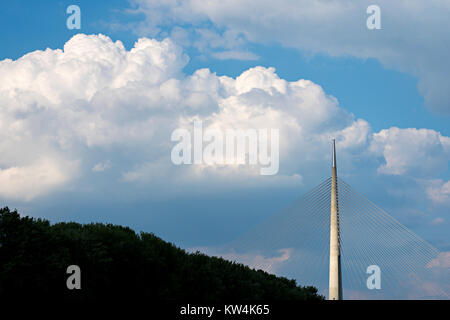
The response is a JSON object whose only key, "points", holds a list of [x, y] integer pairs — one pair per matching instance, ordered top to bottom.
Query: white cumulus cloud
{"points": [[95, 100], [418, 152], [36, 179], [439, 191]]}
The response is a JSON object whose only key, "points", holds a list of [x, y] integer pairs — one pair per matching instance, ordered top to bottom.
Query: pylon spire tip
{"points": [[333, 153]]}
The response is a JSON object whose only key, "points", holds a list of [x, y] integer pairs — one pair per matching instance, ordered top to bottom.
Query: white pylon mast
{"points": [[335, 282]]}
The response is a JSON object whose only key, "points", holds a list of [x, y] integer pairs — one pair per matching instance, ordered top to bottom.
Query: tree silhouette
{"points": [[117, 262]]}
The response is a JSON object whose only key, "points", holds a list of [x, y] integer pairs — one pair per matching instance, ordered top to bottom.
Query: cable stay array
{"points": [[380, 257]]}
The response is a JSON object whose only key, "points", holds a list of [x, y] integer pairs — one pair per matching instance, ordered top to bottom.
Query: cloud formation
{"points": [[413, 37], [93, 99], [95, 109], [411, 151], [38, 178], [439, 191], [256, 261]]}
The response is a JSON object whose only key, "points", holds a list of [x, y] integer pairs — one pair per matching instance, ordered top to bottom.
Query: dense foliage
{"points": [[117, 262]]}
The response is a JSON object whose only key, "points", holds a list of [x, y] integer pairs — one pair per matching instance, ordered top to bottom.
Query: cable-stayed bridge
{"points": [[336, 239]]}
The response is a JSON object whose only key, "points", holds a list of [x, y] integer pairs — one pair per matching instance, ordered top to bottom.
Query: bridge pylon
{"points": [[335, 280]]}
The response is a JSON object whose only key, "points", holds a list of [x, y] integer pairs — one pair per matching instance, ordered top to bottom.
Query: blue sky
{"points": [[374, 76]]}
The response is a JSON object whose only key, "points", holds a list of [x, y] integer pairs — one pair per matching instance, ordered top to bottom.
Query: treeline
{"points": [[116, 262]]}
